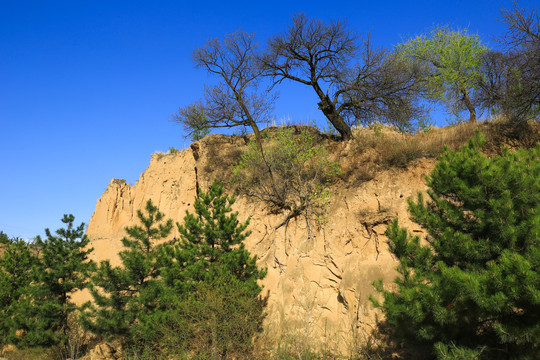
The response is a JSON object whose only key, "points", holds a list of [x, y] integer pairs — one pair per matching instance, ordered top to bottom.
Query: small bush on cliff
{"points": [[291, 177], [473, 290]]}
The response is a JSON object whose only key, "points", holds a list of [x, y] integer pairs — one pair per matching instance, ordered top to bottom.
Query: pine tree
{"points": [[211, 241], [16, 262], [62, 268], [211, 280], [472, 289], [125, 294], [182, 296]]}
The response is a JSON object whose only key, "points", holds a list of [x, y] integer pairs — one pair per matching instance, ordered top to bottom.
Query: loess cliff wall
{"points": [[318, 282]]}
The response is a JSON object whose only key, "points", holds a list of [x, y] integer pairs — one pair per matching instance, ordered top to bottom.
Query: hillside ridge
{"points": [[318, 282]]}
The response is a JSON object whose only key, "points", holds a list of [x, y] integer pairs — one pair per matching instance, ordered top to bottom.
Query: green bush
{"points": [[291, 176], [16, 263], [473, 290], [217, 320]]}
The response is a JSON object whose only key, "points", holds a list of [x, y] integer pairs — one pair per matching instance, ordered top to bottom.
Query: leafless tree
{"points": [[523, 29], [522, 40], [313, 54], [320, 55], [501, 86], [382, 87], [234, 101], [194, 120]]}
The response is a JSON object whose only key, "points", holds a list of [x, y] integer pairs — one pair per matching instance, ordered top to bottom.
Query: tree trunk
{"points": [[470, 106], [329, 110], [336, 120], [257, 133]]}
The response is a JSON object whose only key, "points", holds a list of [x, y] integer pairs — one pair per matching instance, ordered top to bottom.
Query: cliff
{"points": [[318, 282]]}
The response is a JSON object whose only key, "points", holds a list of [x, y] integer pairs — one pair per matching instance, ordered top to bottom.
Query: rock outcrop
{"points": [[319, 280]]}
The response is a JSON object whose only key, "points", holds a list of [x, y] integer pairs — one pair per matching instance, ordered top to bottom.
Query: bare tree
{"points": [[523, 30], [522, 40], [312, 53], [320, 56], [383, 87], [501, 87], [235, 100], [194, 120]]}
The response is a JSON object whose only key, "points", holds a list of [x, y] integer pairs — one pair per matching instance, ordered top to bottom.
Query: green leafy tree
{"points": [[451, 61], [16, 262], [61, 269], [472, 289], [123, 295]]}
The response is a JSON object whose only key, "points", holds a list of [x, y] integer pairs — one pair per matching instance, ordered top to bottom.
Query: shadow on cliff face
{"points": [[216, 154]]}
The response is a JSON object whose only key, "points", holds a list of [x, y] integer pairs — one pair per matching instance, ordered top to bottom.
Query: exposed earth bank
{"points": [[319, 278]]}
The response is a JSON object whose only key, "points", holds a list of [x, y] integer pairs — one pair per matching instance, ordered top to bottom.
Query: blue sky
{"points": [[87, 87]]}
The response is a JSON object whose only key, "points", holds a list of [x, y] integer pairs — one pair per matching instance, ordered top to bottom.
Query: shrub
{"points": [[292, 176], [217, 320]]}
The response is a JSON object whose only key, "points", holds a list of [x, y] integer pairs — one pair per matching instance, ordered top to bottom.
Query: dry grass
{"points": [[501, 133], [386, 147], [378, 148], [38, 353]]}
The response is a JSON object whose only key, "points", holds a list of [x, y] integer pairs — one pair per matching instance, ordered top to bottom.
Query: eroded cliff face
{"points": [[318, 282]]}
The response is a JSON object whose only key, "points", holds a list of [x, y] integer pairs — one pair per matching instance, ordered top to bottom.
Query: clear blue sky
{"points": [[87, 87]]}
